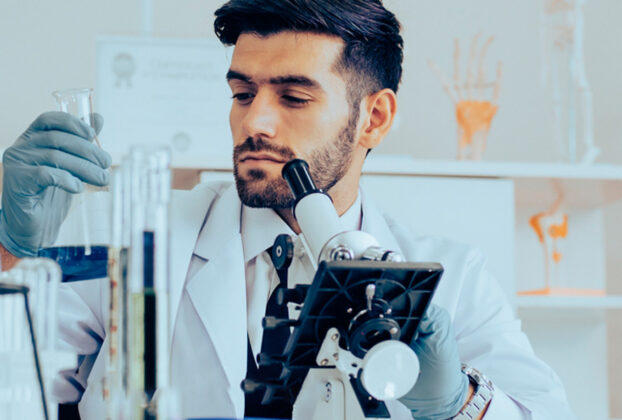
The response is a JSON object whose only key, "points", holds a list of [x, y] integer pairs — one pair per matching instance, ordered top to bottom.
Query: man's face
{"points": [[288, 102]]}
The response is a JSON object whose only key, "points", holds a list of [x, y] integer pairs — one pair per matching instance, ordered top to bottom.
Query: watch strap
{"points": [[482, 395]]}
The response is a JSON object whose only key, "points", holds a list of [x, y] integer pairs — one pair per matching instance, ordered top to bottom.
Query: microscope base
{"points": [[326, 393]]}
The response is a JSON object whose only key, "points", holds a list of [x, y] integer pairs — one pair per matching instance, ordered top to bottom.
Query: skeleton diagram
{"points": [[564, 71], [474, 111], [551, 225]]}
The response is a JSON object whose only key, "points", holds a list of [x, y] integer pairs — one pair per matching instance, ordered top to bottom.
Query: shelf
{"points": [[407, 165], [536, 184], [569, 302]]}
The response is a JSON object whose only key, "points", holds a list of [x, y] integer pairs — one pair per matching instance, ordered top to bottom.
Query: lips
{"points": [[261, 157]]}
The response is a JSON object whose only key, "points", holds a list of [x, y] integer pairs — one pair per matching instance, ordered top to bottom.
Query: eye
{"points": [[243, 98], [295, 101]]}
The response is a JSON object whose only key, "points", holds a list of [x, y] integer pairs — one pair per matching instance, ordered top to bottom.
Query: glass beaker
{"points": [[79, 249]]}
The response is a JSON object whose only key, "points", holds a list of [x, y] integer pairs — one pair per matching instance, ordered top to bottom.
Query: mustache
{"points": [[261, 145]]}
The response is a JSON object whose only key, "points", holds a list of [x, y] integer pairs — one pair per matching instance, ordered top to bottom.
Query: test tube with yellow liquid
{"points": [[146, 364]]}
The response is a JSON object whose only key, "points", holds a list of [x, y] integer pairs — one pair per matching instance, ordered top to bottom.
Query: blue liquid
{"points": [[75, 265]]}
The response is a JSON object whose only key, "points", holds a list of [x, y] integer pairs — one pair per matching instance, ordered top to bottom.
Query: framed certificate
{"points": [[165, 91]]}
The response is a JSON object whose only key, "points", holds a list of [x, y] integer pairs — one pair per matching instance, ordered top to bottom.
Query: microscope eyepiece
{"points": [[296, 173], [313, 208]]}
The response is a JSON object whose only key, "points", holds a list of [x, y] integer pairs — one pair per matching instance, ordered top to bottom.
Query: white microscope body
{"points": [[390, 368]]}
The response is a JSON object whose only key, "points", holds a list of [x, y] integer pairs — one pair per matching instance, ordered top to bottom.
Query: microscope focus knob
{"points": [[282, 252], [270, 322], [265, 359], [250, 385]]}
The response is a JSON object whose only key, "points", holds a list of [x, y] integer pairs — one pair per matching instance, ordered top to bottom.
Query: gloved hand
{"points": [[42, 170], [442, 387]]}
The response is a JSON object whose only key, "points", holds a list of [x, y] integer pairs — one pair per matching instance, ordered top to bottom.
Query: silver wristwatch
{"points": [[482, 395]]}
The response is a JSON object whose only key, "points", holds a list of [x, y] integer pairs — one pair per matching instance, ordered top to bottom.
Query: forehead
{"points": [[308, 54]]}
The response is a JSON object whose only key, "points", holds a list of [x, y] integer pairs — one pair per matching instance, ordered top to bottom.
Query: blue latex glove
{"points": [[42, 170], [442, 388]]}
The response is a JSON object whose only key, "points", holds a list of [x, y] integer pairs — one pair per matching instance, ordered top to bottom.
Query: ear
{"points": [[380, 109]]}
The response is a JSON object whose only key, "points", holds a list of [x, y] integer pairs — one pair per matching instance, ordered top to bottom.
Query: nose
{"points": [[261, 119]]}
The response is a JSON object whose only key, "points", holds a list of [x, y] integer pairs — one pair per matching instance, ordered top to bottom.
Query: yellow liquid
{"points": [[136, 336]]}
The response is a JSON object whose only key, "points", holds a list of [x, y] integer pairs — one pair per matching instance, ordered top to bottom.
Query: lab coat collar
{"points": [[189, 209], [226, 211], [376, 225], [261, 226]]}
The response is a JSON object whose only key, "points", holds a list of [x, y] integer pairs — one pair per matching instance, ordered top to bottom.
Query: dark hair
{"points": [[372, 56]]}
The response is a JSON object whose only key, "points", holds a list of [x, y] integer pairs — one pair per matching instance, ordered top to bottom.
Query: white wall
{"points": [[46, 45]]}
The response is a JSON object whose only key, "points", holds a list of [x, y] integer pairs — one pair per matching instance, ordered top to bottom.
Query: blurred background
{"points": [[46, 46]]}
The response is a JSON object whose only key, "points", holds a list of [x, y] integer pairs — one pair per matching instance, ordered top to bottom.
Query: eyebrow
{"points": [[234, 75], [290, 79]]}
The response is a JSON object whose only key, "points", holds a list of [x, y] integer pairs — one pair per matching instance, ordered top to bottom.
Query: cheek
{"points": [[334, 117], [235, 123], [323, 130]]}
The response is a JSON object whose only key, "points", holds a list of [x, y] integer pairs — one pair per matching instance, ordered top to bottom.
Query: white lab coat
{"points": [[209, 335]]}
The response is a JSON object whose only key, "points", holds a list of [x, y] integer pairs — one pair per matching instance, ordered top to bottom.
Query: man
{"points": [[313, 79]]}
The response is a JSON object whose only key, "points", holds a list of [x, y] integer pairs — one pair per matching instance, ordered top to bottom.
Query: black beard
{"points": [[327, 166]]}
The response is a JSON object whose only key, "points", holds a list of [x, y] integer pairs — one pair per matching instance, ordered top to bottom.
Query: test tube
{"points": [[133, 165], [159, 198], [149, 322], [114, 386]]}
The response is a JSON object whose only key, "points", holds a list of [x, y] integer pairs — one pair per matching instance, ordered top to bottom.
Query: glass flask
{"points": [[78, 102], [80, 249]]}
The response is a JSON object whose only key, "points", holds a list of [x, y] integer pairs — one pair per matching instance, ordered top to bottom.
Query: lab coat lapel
{"points": [[188, 210], [375, 224], [218, 290]]}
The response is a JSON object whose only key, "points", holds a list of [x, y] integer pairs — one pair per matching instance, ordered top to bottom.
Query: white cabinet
{"points": [[473, 211]]}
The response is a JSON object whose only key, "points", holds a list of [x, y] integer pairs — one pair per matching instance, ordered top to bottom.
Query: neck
{"points": [[288, 217]]}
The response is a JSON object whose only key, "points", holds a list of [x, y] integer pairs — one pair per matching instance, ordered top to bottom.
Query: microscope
{"points": [[348, 351]]}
